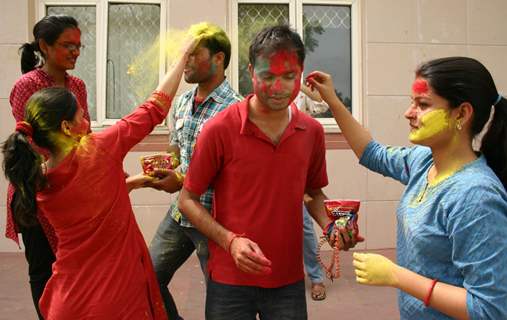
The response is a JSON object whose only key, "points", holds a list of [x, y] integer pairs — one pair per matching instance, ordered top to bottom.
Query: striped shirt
{"points": [[185, 125]]}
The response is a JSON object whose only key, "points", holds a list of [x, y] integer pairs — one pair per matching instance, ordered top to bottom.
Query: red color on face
{"points": [[59, 56], [281, 61], [199, 67], [277, 79], [420, 86], [80, 126]]}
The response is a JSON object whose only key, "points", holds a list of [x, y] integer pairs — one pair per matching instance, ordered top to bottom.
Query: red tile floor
{"points": [[345, 300]]}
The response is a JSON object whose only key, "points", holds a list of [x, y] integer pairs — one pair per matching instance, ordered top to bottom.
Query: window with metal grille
{"points": [[330, 32], [114, 34]]}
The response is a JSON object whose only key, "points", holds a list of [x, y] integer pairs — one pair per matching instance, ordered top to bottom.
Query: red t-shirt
{"points": [[258, 189]]}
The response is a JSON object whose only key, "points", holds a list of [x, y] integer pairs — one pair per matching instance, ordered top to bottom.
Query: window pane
{"points": [[252, 18], [132, 30], [327, 38], [86, 67]]}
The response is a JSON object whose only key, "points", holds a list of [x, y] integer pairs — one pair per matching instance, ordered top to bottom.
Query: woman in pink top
{"points": [[44, 63], [102, 268]]}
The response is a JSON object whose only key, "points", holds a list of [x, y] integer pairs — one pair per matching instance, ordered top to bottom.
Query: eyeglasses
{"points": [[71, 46]]}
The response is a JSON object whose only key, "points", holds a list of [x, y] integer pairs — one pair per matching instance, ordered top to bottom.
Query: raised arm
{"points": [[170, 82], [131, 129], [357, 136]]}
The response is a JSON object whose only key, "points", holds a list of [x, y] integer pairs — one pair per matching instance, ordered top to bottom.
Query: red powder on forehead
{"points": [[282, 61], [420, 86]]}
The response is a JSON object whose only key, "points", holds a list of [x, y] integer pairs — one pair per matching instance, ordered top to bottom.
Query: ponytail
{"points": [[48, 29], [29, 58], [463, 79], [45, 111], [494, 142], [22, 167]]}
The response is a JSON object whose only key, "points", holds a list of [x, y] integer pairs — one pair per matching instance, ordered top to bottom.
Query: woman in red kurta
{"points": [[44, 63], [102, 268]]}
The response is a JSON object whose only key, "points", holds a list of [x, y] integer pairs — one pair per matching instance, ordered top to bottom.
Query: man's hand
{"points": [[137, 181], [168, 181], [347, 237], [248, 257], [375, 269]]}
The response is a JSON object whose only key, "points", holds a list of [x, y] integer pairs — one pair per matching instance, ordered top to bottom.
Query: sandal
{"points": [[318, 291]]}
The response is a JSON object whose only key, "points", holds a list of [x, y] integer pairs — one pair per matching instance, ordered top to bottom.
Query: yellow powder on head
{"points": [[204, 30], [170, 48], [432, 123]]}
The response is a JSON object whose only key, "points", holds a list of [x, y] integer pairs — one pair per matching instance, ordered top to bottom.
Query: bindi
{"points": [[420, 86]]}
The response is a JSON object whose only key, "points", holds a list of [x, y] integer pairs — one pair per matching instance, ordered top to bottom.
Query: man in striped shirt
{"points": [[176, 239]]}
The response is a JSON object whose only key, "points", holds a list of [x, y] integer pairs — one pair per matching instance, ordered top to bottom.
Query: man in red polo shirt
{"points": [[261, 155]]}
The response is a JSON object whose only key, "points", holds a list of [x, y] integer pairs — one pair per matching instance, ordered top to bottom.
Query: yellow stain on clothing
{"points": [[392, 150]]}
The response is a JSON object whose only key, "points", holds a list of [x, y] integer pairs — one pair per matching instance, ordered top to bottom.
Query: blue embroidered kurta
{"points": [[454, 231]]}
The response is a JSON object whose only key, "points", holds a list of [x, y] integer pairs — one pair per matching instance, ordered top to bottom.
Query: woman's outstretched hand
{"points": [[323, 83], [375, 269]]}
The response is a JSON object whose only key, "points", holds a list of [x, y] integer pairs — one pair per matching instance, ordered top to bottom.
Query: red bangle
{"points": [[162, 95], [430, 291]]}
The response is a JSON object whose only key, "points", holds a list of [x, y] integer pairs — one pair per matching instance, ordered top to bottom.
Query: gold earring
{"points": [[459, 126]]}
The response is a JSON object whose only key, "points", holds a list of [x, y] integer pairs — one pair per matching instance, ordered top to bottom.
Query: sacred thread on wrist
{"points": [[234, 236]]}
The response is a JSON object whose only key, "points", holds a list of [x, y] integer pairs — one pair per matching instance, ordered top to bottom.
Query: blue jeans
{"points": [[170, 248], [312, 266], [229, 302]]}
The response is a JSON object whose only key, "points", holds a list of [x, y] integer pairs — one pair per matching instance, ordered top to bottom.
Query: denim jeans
{"points": [[170, 248], [312, 266], [230, 302]]}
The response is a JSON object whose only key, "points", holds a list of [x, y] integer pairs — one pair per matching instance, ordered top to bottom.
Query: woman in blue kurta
{"points": [[452, 217]]}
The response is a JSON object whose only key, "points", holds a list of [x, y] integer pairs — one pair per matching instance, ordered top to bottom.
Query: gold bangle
{"points": [[164, 97], [156, 102], [180, 177]]}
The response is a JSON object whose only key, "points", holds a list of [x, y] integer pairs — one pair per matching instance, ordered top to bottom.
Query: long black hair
{"points": [[48, 29], [462, 79], [22, 165]]}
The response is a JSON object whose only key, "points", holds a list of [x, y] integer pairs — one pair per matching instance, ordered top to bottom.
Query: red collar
{"points": [[296, 121]]}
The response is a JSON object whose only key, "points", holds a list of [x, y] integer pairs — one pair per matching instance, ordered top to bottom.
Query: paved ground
{"points": [[346, 300]]}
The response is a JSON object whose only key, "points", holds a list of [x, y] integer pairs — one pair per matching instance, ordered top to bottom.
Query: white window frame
{"points": [[296, 22], [101, 44]]}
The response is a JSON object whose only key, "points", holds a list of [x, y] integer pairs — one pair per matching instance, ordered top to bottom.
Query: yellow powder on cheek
{"points": [[432, 123]]}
